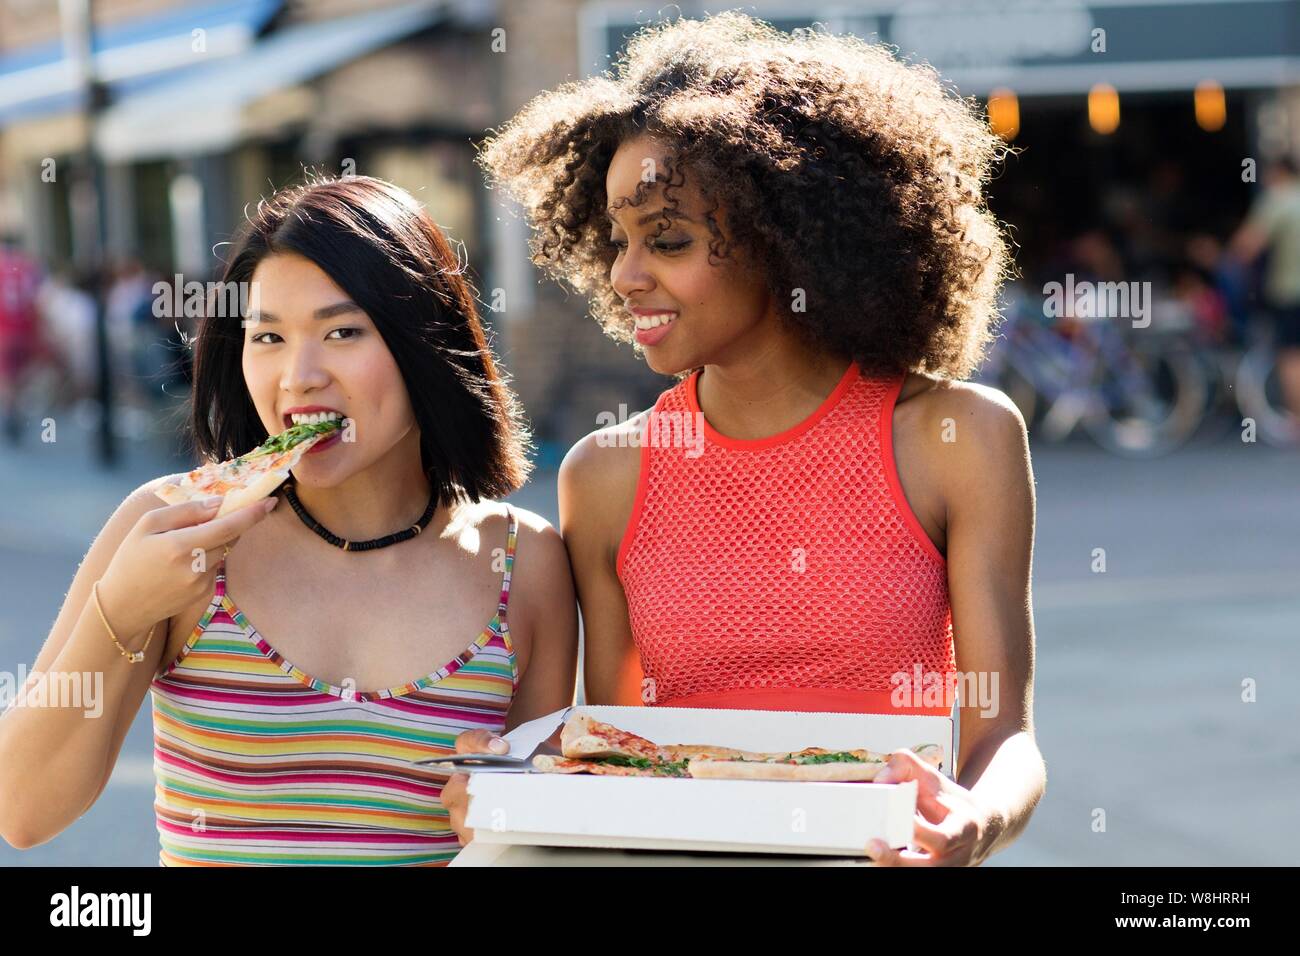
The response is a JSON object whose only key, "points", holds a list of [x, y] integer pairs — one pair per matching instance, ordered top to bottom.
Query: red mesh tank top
{"points": [[783, 573]]}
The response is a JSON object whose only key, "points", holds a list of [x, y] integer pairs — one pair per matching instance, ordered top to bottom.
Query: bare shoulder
{"points": [[986, 411], [975, 427], [605, 460], [597, 487], [489, 519], [537, 537], [538, 545], [541, 588]]}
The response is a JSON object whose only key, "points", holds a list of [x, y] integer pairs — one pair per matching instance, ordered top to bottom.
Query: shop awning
{"points": [[129, 56], [201, 110]]}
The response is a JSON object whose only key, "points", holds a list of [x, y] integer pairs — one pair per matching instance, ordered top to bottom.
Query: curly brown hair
{"points": [[845, 172]]}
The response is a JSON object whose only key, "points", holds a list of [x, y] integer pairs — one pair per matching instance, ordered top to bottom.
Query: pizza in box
{"points": [[592, 746]]}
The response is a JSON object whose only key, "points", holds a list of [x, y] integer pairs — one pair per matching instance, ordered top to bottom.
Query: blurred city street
{"points": [[1149, 331], [1138, 692]]}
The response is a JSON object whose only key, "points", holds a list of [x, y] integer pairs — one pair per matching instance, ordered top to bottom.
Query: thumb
{"points": [[480, 741], [902, 766]]}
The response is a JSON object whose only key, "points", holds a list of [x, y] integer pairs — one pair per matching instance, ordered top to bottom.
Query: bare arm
{"points": [[1252, 236], [597, 486], [990, 527], [544, 618], [75, 752], [56, 760]]}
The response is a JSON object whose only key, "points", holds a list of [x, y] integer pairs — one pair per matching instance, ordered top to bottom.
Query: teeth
{"points": [[654, 321], [315, 418]]}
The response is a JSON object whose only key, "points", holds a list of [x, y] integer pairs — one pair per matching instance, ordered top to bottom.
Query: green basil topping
{"points": [[293, 436], [840, 757], [827, 758], [622, 760], [663, 767]]}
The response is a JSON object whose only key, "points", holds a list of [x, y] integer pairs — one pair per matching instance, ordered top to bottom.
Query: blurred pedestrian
{"points": [[1273, 224], [128, 290], [67, 310], [19, 333]]}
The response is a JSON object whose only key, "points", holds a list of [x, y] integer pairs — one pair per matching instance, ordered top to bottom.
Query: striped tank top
{"points": [[787, 572], [258, 763]]}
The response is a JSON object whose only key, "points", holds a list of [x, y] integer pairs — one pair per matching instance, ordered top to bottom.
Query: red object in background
{"points": [[20, 278]]}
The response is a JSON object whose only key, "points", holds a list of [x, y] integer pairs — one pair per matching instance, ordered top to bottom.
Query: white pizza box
{"points": [[730, 816], [479, 853]]}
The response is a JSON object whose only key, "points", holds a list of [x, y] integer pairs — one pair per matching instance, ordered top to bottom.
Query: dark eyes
{"points": [[621, 244], [356, 332]]}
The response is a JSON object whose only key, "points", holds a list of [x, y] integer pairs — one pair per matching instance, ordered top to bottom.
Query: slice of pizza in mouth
{"points": [[247, 478], [591, 746]]}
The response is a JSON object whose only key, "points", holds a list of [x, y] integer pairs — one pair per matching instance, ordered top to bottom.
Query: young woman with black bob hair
{"points": [[301, 658]]}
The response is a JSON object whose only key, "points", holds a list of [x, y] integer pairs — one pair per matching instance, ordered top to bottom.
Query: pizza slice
{"points": [[247, 478], [584, 736], [591, 746], [811, 763], [615, 766]]}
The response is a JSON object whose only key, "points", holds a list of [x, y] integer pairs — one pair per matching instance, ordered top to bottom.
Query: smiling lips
{"points": [[651, 327], [310, 415]]}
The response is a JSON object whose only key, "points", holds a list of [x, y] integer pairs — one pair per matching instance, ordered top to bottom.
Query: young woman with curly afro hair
{"points": [[821, 514]]}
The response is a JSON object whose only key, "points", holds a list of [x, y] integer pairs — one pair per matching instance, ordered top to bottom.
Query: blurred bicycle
{"points": [[1259, 391], [1137, 393]]}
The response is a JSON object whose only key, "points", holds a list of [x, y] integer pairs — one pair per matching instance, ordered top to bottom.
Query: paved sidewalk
{"points": [[1138, 691]]}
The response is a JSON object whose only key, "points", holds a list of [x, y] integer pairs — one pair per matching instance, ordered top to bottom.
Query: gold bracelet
{"points": [[135, 657]]}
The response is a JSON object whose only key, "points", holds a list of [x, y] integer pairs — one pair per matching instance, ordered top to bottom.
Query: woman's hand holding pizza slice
{"points": [[165, 564]]}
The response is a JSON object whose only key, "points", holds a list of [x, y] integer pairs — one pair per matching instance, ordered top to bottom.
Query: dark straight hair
{"points": [[380, 247]]}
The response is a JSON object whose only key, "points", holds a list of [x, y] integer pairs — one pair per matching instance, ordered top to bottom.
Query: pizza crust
{"points": [[259, 487], [173, 493], [583, 736], [931, 754], [547, 763], [747, 770]]}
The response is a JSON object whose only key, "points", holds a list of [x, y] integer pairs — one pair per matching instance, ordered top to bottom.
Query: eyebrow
{"points": [[651, 216], [327, 312]]}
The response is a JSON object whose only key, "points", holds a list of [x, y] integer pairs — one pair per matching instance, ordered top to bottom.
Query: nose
{"points": [[628, 275], [302, 371]]}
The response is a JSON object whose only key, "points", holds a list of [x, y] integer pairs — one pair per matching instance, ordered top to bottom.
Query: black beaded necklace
{"points": [[404, 535]]}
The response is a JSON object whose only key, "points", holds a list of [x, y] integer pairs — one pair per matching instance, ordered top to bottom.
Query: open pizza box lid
{"points": [[731, 816]]}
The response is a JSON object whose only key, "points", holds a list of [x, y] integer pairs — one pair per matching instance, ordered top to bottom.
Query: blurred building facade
{"points": [[212, 104]]}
